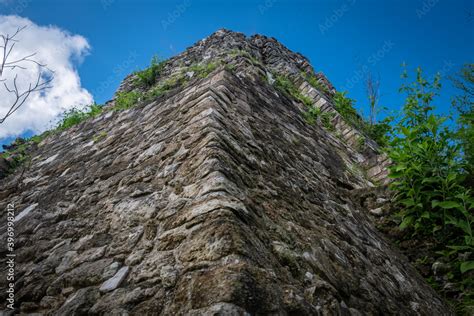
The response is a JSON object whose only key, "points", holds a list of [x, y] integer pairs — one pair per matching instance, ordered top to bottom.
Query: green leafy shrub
{"points": [[238, 52], [203, 70], [147, 77], [314, 82], [165, 86], [287, 87], [126, 100], [464, 104], [345, 107], [315, 114], [75, 116], [71, 117], [379, 132], [38, 138], [360, 143], [17, 155], [425, 160], [428, 174]]}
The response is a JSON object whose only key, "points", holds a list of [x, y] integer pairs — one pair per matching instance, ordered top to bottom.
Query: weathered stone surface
{"points": [[216, 199], [114, 282]]}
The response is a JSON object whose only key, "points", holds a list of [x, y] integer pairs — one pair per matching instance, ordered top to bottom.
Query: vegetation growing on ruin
{"points": [[238, 52], [203, 70], [148, 77], [315, 83], [287, 87], [155, 89], [125, 100], [315, 114], [75, 116], [378, 131], [430, 171]]}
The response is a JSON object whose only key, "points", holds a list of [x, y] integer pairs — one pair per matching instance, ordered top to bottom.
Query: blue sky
{"points": [[339, 37]]}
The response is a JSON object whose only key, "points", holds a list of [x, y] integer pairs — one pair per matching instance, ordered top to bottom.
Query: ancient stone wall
{"points": [[216, 198]]}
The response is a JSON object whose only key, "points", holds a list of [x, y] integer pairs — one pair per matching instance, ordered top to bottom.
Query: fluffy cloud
{"points": [[61, 52]]}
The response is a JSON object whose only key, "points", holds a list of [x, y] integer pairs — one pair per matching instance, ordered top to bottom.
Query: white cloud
{"points": [[62, 52]]}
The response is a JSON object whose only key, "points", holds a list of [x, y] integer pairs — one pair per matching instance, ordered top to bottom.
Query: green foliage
{"points": [[239, 52], [230, 67], [203, 70], [147, 77], [314, 82], [165, 86], [287, 87], [126, 100], [464, 104], [345, 107], [94, 110], [314, 114], [75, 116], [71, 117], [379, 132], [99, 136], [36, 139], [360, 143], [21, 148], [17, 155], [425, 167], [428, 174]]}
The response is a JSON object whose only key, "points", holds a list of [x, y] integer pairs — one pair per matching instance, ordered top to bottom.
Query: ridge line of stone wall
{"points": [[375, 162]]}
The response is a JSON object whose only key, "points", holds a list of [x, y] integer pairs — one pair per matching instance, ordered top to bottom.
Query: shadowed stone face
{"points": [[217, 199]]}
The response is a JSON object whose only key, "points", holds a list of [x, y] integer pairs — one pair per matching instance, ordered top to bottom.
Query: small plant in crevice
{"points": [[238, 52], [230, 67], [203, 70], [147, 77], [315, 83], [165, 86], [287, 87], [126, 100], [315, 114], [75, 116], [379, 132], [99, 136], [360, 143], [17, 154]]}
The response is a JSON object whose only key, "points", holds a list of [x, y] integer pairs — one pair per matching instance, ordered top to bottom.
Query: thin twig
{"points": [[9, 42]]}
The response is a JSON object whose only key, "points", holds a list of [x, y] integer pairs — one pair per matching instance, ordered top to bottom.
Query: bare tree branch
{"points": [[42, 82], [372, 86]]}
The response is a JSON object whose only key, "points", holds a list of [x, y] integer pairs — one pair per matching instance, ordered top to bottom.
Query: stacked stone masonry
{"points": [[215, 199]]}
